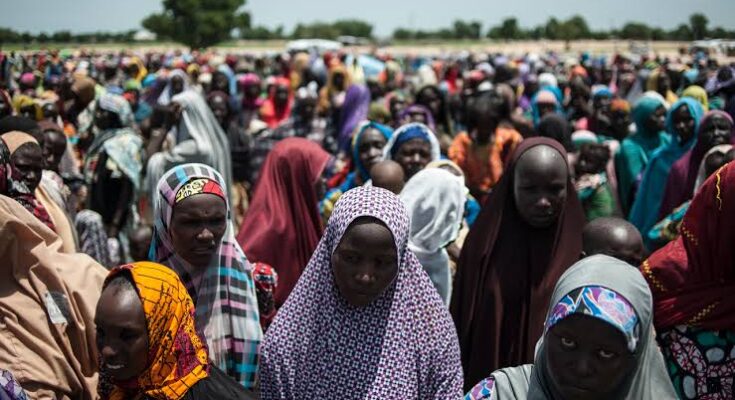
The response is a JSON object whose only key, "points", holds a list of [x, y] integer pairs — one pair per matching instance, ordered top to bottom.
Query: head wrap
{"points": [[408, 132]]}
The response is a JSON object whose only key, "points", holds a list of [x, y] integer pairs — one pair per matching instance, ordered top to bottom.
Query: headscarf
{"points": [[142, 70], [547, 79], [246, 81], [652, 85], [84, 88], [697, 93], [166, 96], [543, 96], [22, 101], [354, 110], [268, 111], [403, 117], [555, 126], [387, 132], [408, 132], [199, 138], [636, 149], [683, 173], [12, 184], [435, 201], [284, 209], [645, 210], [506, 272], [692, 278], [611, 291], [224, 293], [48, 307], [402, 345], [177, 356], [10, 389]]}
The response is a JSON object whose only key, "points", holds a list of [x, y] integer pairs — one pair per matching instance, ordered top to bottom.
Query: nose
{"points": [[375, 152], [416, 158], [544, 202], [205, 235], [108, 352], [583, 367]]}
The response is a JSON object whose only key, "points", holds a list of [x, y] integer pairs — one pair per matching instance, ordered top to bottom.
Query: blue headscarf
{"points": [[535, 114], [384, 130], [645, 211]]}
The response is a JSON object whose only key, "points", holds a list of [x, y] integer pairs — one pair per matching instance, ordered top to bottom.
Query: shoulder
{"points": [[218, 386], [483, 390]]}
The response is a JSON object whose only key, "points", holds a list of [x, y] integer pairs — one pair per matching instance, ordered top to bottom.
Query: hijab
{"points": [[697, 93], [166, 96], [354, 110], [269, 113], [386, 131], [407, 132], [199, 139], [683, 174], [12, 184], [435, 200], [285, 209], [645, 210], [506, 273], [692, 278], [614, 292], [224, 293], [402, 345], [177, 354]]}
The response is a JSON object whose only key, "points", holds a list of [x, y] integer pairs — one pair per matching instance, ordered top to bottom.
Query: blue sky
{"points": [[386, 15]]}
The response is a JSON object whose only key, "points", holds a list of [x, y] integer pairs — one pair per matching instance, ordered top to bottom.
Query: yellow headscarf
{"points": [[142, 70], [697, 93], [22, 101], [177, 355]]}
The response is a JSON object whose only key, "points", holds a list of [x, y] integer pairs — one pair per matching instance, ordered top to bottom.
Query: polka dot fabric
{"points": [[402, 345]]}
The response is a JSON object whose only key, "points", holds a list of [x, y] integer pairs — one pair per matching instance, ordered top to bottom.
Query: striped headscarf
{"points": [[224, 294], [177, 355]]}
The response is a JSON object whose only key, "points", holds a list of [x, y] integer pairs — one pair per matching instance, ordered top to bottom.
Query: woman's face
{"points": [[177, 85], [432, 100], [218, 105], [396, 106], [546, 108], [656, 122], [683, 123], [717, 131], [54, 146], [371, 148], [413, 156], [28, 160], [540, 186], [197, 226], [365, 262], [122, 334], [587, 358]]}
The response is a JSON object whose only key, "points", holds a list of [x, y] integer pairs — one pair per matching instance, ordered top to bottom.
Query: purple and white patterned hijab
{"points": [[402, 345]]}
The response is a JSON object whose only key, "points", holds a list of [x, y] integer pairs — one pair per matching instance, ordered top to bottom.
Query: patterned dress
{"points": [[701, 363]]}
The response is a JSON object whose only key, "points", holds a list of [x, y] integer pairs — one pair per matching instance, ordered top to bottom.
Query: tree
{"points": [[198, 23], [698, 25], [353, 27], [508, 29], [552, 29], [635, 30], [682, 32]]}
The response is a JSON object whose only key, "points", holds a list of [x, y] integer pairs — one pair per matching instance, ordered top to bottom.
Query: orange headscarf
{"points": [[177, 355]]}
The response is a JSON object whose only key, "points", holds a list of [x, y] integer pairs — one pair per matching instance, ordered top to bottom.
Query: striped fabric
{"points": [[224, 294]]}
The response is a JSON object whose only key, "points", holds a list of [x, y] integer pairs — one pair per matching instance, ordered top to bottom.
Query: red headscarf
{"points": [[269, 113], [282, 226], [507, 273], [693, 277]]}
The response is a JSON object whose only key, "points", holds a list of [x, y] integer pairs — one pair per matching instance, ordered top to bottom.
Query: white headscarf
{"points": [[165, 98], [434, 199]]}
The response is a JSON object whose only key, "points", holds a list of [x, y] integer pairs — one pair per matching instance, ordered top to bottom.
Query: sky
{"points": [[77, 16]]}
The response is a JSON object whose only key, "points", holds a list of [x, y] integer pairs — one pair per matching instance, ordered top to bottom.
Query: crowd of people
{"points": [[200, 225]]}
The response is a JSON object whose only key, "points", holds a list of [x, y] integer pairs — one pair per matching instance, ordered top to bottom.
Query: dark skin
{"points": [[220, 82], [177, 85], [252, 91], [281, 98], [430, 99], [396, 107], [219, 108], [546, 108], [5, 109], [307, 109], [620, 122], [656, 122], [683, 124], [717, 131], [54, 146], [370, 148], [413, 156], [28, 160], [388, 175], [540, 186], [197, 226], [614, 237], [140, 242], [365, 263], [122, 333], [587, 358]]}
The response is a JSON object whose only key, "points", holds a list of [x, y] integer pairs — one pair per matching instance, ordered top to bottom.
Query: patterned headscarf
{"points": [[12, 184], [224, 294], [402, 345], [177, 356]]}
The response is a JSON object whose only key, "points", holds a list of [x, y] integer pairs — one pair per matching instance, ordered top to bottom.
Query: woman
{"points": [[177, 82], [544, 102], [277, 107], [353, 111], [682, 122], [715, 129], [198, 137], [413, 146], [367, 150], [635, 151], [113, 164], [435, 201], [285, 210], [193, 235], [526, 236], [692, 280], [47, 307], [364, 320], [148, 341], [597, 342]]}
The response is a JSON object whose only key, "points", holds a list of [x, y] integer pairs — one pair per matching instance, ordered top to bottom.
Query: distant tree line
{"points": [[573, 28], [11, 36]]}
